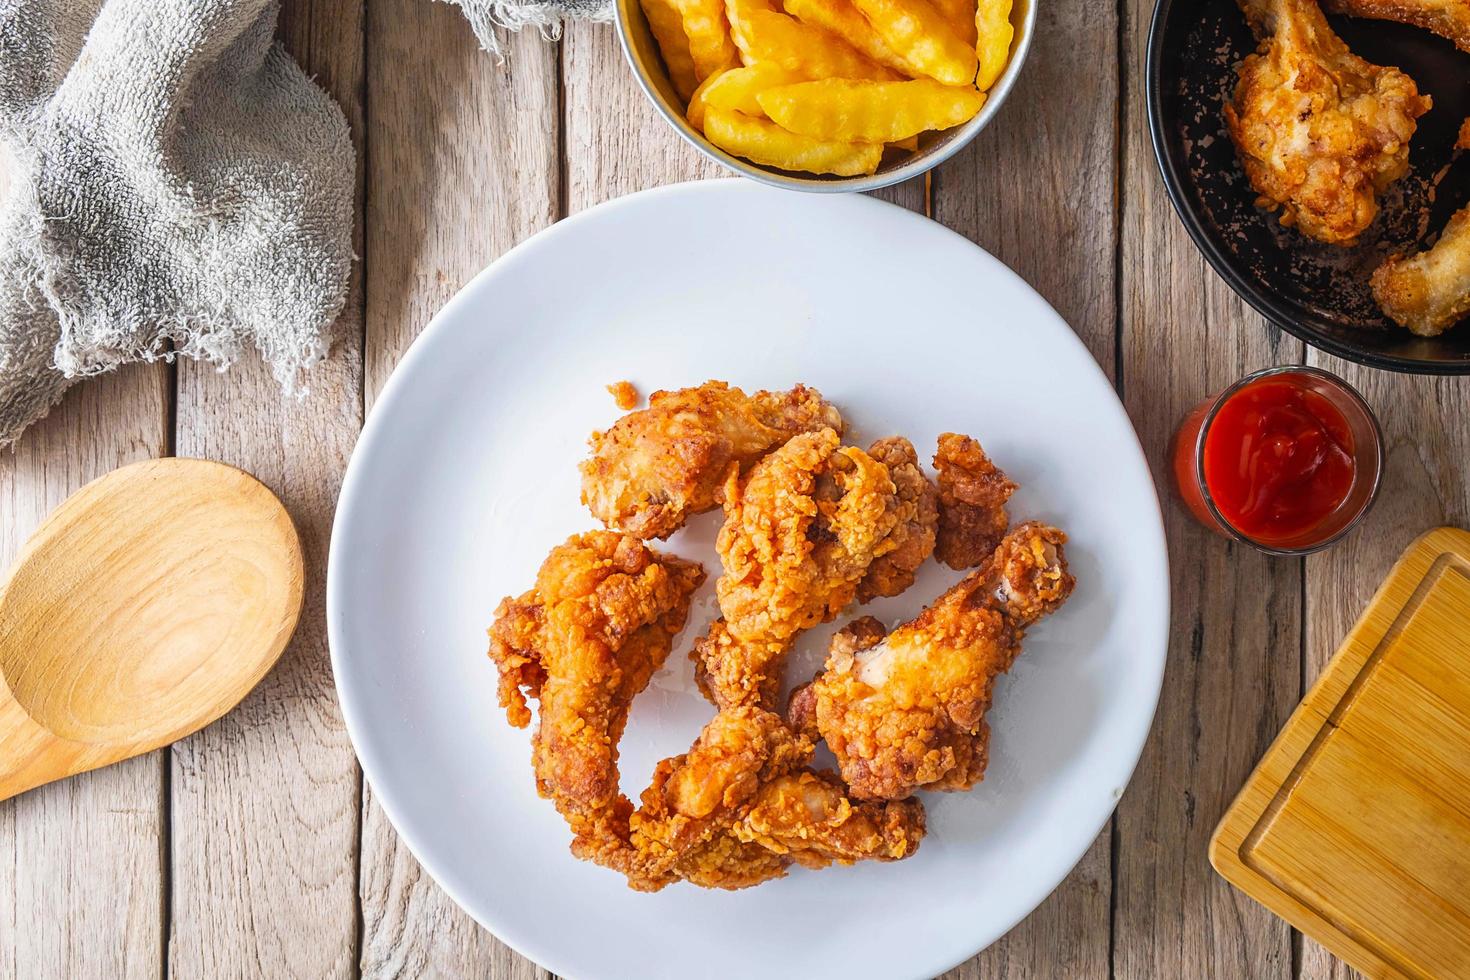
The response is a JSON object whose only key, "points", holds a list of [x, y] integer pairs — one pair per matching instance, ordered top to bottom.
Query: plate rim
{"points": [[356, 722]]}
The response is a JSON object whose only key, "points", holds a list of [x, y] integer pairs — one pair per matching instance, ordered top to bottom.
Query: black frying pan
{"points": [[1317, 292]]}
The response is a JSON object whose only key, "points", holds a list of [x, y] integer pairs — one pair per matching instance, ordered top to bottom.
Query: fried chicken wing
{"points": [[1448, 18], [1320, 131], [1429, 292], [656, 468], [972, 502], [918, 521], [801, 530], [584, 641], [907, 711], [741, 806]]}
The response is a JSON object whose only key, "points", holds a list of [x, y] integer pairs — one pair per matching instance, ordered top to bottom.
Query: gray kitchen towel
{"points": [[489, 16], [177, 185]]}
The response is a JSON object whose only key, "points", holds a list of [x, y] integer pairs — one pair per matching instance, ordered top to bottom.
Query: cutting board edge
{"points": [[1227, 844]]}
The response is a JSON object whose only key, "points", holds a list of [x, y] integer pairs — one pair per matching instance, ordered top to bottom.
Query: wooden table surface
{"points": [[255, 848]]}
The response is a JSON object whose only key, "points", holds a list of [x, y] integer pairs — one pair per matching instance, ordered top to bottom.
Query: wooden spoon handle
{"points": [[29, 754]]}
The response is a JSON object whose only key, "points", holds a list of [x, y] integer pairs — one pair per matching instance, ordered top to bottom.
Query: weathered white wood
{"points": [[462, 165], [1036, 190], [1234, 659], [266, 801], [81, 871]]}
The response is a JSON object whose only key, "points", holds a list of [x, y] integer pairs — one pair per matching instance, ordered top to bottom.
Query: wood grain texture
{"points": [[615, 143], [463, 164], [1057, 228], [1426, 439], [1233, 673], [266, 801], [1355, 826], [81, 869]]}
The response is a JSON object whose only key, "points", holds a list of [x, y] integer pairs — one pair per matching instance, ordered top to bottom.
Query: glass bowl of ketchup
{"points": [[1287, 460]]}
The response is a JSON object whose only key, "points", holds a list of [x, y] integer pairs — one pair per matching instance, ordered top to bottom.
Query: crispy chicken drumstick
{"points": [[1449, 18], [1320, 131], [1429, 292], [907, 712]]}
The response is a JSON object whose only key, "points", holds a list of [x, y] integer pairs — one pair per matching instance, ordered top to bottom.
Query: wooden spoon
{"points": [[145, 607]]}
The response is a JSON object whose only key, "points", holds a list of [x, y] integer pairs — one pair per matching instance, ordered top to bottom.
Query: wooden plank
{"points": [[616, 143], [462, 165], [1057, 227], [1426, 438], [1234, 662], [266, 801], [81, 870]]}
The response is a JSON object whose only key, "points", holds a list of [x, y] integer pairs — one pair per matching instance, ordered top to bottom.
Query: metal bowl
{"points": [[934, 148], [1316, 292]]}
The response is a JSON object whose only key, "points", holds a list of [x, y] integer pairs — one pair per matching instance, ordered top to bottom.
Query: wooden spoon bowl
{"points": [[146, 606]]}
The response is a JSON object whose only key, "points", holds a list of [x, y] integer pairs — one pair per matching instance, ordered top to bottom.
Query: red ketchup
{"points": [[1279, 462]]}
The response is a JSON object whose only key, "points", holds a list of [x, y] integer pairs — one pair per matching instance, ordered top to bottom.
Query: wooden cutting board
{"points": [[1355, 827]]}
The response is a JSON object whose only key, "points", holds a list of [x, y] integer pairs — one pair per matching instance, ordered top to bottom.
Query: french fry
{"points": [[960, 15], [840, 17], [667, 26], [919, 32], [768, 37], [710, 44], [993, 49], [736, 89], [840, 110], [695, 113], [762, 141]]}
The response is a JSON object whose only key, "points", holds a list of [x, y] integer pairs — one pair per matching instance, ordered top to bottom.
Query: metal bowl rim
{"points": [[919, 164]]}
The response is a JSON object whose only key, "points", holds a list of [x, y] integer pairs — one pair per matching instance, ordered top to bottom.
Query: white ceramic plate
{"points": [[465, 477]]}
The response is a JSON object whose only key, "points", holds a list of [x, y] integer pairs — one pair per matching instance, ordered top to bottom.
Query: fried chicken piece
{"points": [[1447, 18], [1320, 131], [1429, 292], [656, 468], [972, 502], [918, 521], [801, 530], [584, 641], [907, 712], [741, 806], [809, 816]]}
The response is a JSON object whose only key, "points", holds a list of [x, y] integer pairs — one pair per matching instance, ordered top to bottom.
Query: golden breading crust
{"points": [[1448, 18], [1320, 132], [1429, 292], [656, 468], [972, 502], [918, 521], [801, 530], [584, 641], [907, 712], [741, 806]]}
